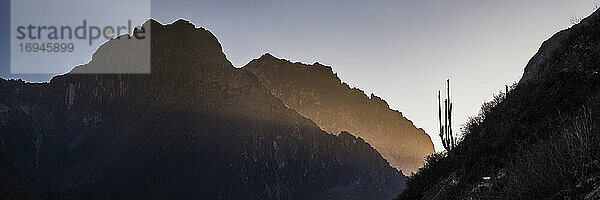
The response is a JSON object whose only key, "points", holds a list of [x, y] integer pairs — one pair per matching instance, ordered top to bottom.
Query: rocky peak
{"points": [[179, 42], [177, 55], [316, 69], [379, 102]]}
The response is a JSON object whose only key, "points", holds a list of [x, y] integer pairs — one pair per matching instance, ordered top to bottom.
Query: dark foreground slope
{"points": [[317, 93], [195, 128], [539, 141]]}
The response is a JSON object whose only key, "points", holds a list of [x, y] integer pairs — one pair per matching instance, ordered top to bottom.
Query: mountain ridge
{"points": [[317, 93], [370, 96], [196, 127]]}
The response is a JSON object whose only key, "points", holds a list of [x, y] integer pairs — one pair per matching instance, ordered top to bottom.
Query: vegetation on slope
{"points": [[539, 140]]}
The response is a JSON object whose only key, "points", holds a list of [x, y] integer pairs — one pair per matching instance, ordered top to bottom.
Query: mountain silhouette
{"points": [[317, 93], [195, 128]]}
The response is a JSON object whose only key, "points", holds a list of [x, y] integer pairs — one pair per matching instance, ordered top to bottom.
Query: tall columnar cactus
{"points": [[446, 128]]}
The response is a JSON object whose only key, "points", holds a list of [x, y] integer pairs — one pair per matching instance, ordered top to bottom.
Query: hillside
{"points": [[317, 93], [195, 128], [539, 141]]}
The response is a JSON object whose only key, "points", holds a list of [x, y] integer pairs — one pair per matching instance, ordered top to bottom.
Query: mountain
{"points": [[317, 93], [195, 128], [538, 141]]}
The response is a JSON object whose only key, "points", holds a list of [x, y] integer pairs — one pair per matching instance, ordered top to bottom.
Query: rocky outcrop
{"points": [[568, 50], [317, 93], [195, 128]]}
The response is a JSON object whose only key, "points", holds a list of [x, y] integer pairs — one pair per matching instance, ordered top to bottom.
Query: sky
{"points": [[402, 51]]}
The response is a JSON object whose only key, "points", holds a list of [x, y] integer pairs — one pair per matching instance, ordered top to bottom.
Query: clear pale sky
{"points": [[403, 51]]}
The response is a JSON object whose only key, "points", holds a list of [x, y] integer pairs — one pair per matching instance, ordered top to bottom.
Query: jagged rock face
{"points": [[318, 94], [195, 128]]}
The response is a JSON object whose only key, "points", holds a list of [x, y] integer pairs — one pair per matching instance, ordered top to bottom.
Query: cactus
{"points": [[446, 128]]}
